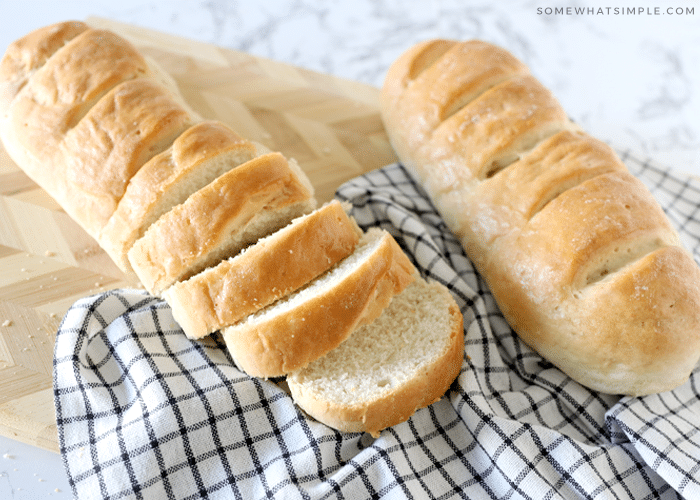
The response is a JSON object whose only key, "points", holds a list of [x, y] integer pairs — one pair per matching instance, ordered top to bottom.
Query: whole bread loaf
{"points": [[222, 228], [581, 259]]}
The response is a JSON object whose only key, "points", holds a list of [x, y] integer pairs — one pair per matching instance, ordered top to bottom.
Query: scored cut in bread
{"points": [[27, 54], [131, 124], [199, 155], [216, 222], [270, 269], [307, 324], [404, 360]]}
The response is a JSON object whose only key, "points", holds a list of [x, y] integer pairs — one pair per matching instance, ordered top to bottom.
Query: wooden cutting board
{"points": [[330, 126]]}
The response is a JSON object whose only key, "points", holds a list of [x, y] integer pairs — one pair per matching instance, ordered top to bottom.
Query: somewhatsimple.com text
{"points": [[616, 11]]}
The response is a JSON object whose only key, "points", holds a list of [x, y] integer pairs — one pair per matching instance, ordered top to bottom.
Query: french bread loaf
{"points": [[82, 111], [222, 228], [581, 259], [403, 361]]}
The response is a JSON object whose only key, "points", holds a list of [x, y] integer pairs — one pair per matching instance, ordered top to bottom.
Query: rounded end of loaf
{"points": [[23, 56], [399, 76], [429, 84], [645, 322], [635, 332]]}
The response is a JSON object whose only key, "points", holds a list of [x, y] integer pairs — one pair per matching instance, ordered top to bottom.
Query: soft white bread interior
{"points": [[218, 221], [580, 257], [262, 273], [309, 323], [404, 360]]}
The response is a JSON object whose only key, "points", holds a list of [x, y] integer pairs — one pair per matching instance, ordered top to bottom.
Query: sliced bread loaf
{"points": [[199, 155], [238, 208], [264, 272], [307, 324], [404, 360]]}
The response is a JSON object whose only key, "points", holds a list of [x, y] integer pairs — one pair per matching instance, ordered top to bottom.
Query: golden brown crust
{"points": [[27, 54], [436, 80], [61, 91], [132, 123], [489, 133], [167, 179], [481, 214], [554, 222], [184, 240], [553, 258], [273, 268], [647, 318], [630, 334], [282, 343]]}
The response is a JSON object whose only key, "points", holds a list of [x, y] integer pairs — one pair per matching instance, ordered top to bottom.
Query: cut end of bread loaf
{"points": [[270, 269], [307, 324], [404, 360]]}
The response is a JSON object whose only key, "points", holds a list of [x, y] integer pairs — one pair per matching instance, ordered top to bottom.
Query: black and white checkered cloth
{"points": [[143, 412]]}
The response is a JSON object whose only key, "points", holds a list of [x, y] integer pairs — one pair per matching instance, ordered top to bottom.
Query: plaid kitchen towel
{"points": [[143, 412]]}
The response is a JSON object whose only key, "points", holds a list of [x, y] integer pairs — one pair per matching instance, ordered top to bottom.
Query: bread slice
{"points": [[198, 156], [218, 221], [264, 272], [305, 325], [404, 360]]}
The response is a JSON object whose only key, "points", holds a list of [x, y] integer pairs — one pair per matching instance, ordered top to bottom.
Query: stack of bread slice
{"points": [[227, 232]]}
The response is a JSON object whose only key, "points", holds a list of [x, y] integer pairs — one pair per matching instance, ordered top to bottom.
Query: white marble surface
{"points": [[630, 79], [30, 473]]}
